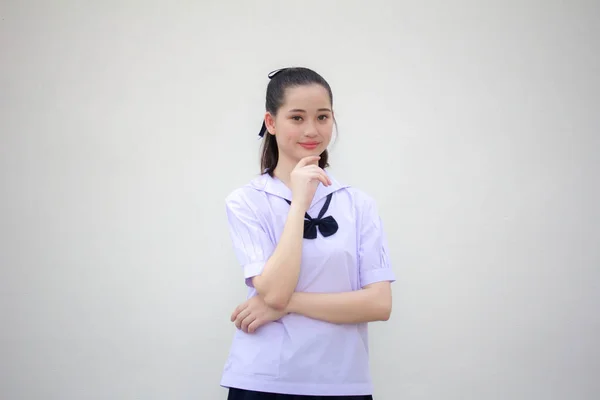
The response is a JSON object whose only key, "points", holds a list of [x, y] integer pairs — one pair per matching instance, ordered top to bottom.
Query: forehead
{"points": [[307, 97]]}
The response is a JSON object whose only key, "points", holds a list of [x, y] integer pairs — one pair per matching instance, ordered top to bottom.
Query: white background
{"points": [[123, 126]]}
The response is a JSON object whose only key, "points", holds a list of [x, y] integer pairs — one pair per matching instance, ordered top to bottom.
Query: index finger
{"points": [[307, 161]]}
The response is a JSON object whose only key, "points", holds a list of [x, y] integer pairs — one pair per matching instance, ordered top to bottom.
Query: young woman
{"points": [[314, 257]]}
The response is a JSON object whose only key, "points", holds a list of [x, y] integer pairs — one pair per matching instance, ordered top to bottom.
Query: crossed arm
{"points": [[372, 303]]}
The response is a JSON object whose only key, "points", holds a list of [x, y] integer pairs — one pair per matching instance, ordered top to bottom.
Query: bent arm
{"points": [[279, 277], [372, 303]]}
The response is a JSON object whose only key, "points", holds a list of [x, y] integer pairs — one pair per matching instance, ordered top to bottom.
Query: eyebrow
{"points": [[300, 110]]}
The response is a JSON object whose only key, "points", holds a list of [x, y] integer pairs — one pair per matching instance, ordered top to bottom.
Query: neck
{"points": [[284, 169]]}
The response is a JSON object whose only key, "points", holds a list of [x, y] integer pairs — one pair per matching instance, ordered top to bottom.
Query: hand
{"points": [[305, 178], [254, 313]]}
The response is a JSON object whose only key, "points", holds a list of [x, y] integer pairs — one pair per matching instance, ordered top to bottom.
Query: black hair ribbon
{"points": [[263, 129], [327, 226]]}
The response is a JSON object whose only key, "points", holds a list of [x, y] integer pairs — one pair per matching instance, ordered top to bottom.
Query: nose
{"points": [[311, 130]]}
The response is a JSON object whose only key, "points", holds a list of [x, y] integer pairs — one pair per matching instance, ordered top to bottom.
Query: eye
{"points": [[323, 117], [297, 118]]}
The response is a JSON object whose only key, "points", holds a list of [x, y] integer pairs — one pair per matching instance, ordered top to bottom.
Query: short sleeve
{"points": [[251, 241], [374, 262]]}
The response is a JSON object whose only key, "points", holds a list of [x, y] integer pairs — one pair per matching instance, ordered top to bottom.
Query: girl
{"points": [[314, 257]]}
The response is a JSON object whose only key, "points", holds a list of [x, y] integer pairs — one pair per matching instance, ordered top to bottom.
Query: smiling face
{"points": [[303, 124]]}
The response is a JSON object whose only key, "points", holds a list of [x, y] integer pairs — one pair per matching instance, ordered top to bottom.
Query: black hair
{"points": [[275, 97]]}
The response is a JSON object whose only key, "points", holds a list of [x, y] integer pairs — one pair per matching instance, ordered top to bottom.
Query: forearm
{"points": [[279, 277], [366, 305]]}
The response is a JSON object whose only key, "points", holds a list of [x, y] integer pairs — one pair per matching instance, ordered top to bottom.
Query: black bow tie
{"points": [[327, 226]]}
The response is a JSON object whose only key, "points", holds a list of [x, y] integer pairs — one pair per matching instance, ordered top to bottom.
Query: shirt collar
{"points": [[276, 187]]}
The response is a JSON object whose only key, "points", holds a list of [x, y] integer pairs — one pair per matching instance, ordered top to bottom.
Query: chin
{"points": [[314, 152], [307, 153], [311, 153]]}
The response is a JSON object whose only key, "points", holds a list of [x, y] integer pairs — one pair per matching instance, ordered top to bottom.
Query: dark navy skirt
{"points": [[242, 394]]}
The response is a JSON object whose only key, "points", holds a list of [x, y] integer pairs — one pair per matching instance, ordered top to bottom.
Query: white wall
{"points": [[123, 125]]}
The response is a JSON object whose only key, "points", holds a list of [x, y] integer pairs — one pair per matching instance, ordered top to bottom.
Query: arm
{"points": [[272, 266], [279, 278], [372, 303]]}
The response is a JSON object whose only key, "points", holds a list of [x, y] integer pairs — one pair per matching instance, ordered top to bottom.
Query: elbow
{"points": [[275, 298], [277, 301], [382, 303], [385, 311]]}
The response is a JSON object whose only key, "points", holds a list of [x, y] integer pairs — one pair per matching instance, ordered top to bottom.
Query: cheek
{"points": [[326, 131], [288, 133]]}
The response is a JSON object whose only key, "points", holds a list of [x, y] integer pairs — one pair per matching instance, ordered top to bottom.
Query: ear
{"points": [[270, 123]]}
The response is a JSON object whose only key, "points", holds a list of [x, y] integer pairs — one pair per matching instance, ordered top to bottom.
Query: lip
{"points": [[309, 145]]}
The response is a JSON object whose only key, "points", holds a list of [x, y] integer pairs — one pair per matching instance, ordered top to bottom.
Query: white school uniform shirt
{"points": [[297, 354]]}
